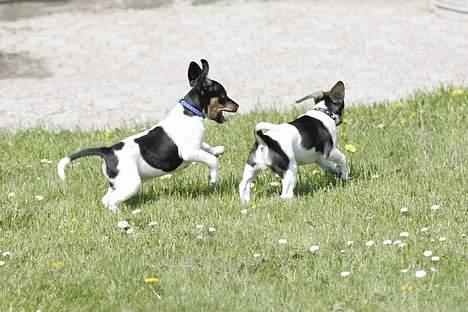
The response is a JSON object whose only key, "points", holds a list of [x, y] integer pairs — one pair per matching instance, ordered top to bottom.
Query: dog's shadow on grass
{"points": [[307, 185], [194, 190]]}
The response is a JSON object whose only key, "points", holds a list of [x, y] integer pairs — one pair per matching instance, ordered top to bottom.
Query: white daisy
{"points": [[46, 161], [315, 171], [375, 176], [275, 183], [252, 185], [11, 194], [39, 197], [435, 207], [403, 210], [136, 211], [243, 211], [153, 223], [123, 224], [199, 226], [424, 229], [211, 230], [130, 231], [404, 234], [200, 236], [442, 239], [282, 241], [387, 242], [397, 242], [349, 243], [370, 243], [401, 245], [314, 248], [427, 253], [6, 254], [256, 255], [435, 258], [2, 263], [433, 269], [404, 270], [345, 273], [420, 273]]}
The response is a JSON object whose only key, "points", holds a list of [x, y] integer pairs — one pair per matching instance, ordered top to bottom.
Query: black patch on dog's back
{"points": [[314, 134], [158, 150], [279, 159]]}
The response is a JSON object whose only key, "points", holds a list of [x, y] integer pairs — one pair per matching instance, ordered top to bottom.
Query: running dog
{"points": [[312, 137], [169, 146]]}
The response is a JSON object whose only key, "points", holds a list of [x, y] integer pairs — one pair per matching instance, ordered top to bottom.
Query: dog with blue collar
{"points": [[171, 145]]}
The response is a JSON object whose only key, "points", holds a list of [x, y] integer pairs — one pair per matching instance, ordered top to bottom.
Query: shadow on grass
{"points": [[196, 189]]}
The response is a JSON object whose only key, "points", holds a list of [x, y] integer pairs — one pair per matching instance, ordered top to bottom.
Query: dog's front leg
{"points": [[216, 151], [206, 158], [341, 165]]}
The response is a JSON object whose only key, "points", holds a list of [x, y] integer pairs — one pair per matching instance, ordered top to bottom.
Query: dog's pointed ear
{"points": [[205, 70], [194, 72], [337, 92], [317, 96]]}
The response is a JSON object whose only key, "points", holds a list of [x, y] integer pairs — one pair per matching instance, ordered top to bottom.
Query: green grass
{"points": [[69, 255]]}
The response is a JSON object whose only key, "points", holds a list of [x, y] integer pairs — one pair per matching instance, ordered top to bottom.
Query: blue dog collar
{"points": [[189, 106]]}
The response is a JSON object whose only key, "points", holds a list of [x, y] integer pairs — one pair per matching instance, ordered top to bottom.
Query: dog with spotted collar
{"points": [[312, 137], [171, 145]]}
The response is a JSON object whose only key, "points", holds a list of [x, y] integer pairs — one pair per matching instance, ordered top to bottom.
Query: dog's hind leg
{"points": [[250, 172], [289, 181], [125, 185], [105, 199]]}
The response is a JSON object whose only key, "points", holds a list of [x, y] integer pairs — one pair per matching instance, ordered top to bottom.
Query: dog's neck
{"points": [[196, 100], [321, 107]]}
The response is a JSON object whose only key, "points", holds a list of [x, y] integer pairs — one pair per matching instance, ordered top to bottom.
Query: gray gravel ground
{"points": [[110, 67]]}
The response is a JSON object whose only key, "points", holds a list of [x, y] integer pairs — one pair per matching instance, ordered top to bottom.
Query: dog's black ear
{"points": [[205, 70], [194, 72], [337, 92]]}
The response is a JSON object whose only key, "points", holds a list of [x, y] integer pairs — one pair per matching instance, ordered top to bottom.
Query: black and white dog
{"points": [[312, 137], [171, 145]]}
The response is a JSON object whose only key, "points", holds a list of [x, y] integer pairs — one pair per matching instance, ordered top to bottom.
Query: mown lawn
{"points": [[61, 250]]}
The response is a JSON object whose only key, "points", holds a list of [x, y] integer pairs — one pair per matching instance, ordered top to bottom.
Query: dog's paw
{"points": [[218, 150], [343, 176]]}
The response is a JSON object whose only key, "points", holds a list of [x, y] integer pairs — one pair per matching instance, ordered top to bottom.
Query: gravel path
{"points": [[114, 67]]}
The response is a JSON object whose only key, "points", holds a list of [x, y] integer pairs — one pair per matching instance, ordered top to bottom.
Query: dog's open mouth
{"points": [[229, 108]]}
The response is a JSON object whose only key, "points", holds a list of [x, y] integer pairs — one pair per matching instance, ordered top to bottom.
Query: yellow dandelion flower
{"points": [[457, 92], [397, 106], [412, 115], [108, 133], [350, 148], [254, 206], [73, 220], [57, 264], [151, 280], [406, 288]]}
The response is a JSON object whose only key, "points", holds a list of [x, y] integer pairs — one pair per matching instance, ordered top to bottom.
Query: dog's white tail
{"points": [[264, 126], [61, 167]]}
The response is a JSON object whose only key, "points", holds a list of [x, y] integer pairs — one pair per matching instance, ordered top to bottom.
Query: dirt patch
{"points": [[13, 10], [22, 65]]}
